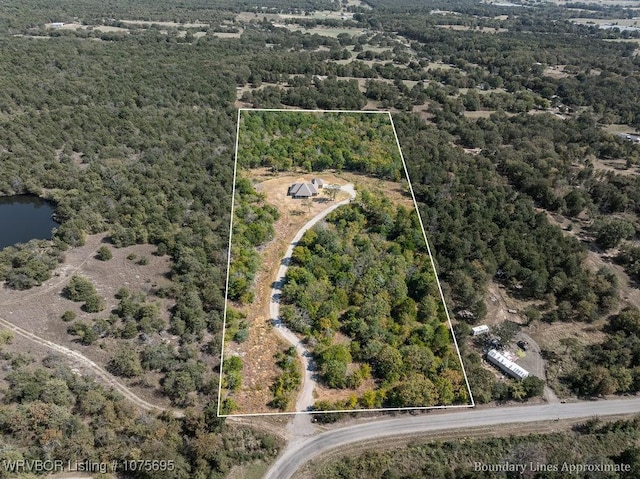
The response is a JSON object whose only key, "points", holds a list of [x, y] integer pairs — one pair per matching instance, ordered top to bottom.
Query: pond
{"points": [[23, 218]]}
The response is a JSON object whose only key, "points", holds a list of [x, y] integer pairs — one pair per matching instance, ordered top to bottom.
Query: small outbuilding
{"points": [[318, 183], [478, 330]]}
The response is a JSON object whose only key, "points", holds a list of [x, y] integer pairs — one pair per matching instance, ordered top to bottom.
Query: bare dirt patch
{"points": [[166, 24], [475, 29], [556, 71], [474, 115], [618, 167], [39, 309]]}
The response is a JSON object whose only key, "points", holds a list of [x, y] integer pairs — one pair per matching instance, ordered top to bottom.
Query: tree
{"points": [[331, 191], [610, 232], [104, 253], [79, 289], [94, 304], [627, 321], [125, 363], [533, 386], [416, 391]]}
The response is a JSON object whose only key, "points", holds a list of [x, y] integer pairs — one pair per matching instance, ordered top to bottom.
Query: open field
{"points": [[607, 3], [622, 22], [166, 24], [79, 26], [475, 29], [323, 31], [556, 71], [474, 115], [39, 309]]}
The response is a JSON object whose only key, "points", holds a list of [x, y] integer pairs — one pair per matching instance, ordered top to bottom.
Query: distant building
{"points": [[57, 25], [318, 183], [302, 190], [482, 329], [506, 365]]}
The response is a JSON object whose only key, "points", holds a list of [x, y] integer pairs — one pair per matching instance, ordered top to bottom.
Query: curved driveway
{"points": [[305, 399], [297, 454]]}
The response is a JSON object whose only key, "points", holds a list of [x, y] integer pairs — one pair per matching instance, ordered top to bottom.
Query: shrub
{"points": [[104, 253], [79, 289], [94, 304], [69, 316], [125, 363]]}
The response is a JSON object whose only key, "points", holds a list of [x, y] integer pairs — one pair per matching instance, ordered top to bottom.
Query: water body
{"points": [[23, 218]]}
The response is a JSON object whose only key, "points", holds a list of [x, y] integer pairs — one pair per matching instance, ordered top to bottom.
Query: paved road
{"points": [[305, 398], [297, 454]]}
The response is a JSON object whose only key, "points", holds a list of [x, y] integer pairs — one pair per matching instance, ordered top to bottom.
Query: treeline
{"points": [[319, 94], [314, 142], [253, 226], [365, 273], [48, 411]]}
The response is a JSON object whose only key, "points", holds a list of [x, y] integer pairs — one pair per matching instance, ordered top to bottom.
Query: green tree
{"points": [[610, 232], [104, 253], [79, 289], [126, 363]]}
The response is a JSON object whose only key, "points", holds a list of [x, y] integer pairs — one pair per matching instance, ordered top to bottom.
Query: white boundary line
{"points": [[424, 234], [433, 264], [226, 287]]}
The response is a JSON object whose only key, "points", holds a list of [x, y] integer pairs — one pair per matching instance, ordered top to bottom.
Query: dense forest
{"points": [[360, 142], [366, 273]]}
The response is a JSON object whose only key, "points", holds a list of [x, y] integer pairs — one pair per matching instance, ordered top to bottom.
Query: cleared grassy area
{"points": [[623, 22], [166, 24], [76, 26], [475, 29], [324, 31]]}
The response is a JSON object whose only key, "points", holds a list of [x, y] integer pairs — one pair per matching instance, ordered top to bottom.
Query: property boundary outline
{"points": [[433, 266]]}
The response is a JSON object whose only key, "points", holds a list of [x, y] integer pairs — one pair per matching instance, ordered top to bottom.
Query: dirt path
{"points": [[76, 358], [81, 360], [305, 399]]}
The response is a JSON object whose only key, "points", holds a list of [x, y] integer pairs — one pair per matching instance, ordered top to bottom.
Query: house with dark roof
{"points": [[302, 190]]}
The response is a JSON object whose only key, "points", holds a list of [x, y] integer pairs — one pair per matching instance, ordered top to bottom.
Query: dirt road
{"points": [[77, 358], [305, 399]]}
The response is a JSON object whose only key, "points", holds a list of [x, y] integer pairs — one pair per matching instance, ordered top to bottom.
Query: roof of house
{"points": [[317, 182], [303, 189]]}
